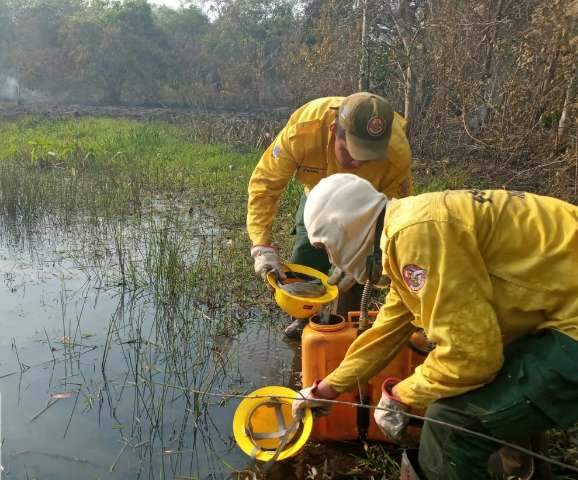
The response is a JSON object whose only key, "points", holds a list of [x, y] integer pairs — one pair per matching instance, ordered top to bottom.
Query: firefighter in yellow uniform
{"points": [[360, 134], [492, 278]]}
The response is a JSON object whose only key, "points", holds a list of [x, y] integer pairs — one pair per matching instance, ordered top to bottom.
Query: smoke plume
{"points": [[9, 88]]}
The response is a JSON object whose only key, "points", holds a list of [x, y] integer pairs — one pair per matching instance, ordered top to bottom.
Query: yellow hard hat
{"points": [[302, 307], [264, 427]]}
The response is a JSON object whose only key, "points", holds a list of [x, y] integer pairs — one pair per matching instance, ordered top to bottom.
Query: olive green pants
{"points": [[306, 254], [537, 389]]}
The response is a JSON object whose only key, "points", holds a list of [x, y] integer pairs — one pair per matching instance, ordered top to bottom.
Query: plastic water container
{"points": [[322, 349]]}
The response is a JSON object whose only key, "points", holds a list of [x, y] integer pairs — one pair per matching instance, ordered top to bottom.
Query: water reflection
{"points": [[101, 380]]}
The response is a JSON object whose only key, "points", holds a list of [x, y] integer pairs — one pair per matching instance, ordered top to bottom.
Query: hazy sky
{"points": [[168, 3], [177, 3]]}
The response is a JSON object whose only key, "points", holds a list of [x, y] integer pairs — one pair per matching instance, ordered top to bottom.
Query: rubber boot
{"points": [[295, 328], [508, 463], [542, 468]]}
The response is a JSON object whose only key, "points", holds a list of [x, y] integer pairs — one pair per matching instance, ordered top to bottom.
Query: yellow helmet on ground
{"points": [[298, 306], [264, 427]]}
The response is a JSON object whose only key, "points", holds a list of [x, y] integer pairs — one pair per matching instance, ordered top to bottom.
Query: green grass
{"points": [[135, 158], [97, 177], [450, 179]]}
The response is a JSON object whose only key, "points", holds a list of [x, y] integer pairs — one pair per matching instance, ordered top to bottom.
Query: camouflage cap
{"points": [[366, 119]]}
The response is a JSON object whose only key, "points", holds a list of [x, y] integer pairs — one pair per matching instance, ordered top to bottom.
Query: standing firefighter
{"points": [[360, 134], [491, 276]]}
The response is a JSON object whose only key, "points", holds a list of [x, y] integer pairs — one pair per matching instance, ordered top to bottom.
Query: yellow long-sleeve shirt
{"points": [[305, 148], [476, 270]]}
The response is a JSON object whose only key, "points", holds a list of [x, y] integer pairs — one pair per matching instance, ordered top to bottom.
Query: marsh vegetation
{"points": [[126, 295]]}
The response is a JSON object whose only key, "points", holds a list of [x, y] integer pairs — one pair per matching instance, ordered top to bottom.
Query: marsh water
{"points": [[102, 357]]}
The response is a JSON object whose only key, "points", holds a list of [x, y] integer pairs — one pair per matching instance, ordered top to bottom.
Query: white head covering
{"points": [[341, 213]]}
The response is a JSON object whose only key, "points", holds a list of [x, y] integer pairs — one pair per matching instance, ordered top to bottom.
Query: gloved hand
{"points": [[267, 260], [343, 280], [306, 399], [391, 420]]}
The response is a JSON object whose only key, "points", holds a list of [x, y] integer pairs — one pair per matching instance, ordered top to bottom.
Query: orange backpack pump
{"points": [[323, 347]]}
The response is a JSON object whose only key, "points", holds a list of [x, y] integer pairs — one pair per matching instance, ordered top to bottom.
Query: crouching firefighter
{"points": [[491, 276]]}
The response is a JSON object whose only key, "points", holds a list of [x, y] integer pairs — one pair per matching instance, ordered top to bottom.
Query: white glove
{"points": [[267, 260], [343, 280], [306, 399], [391, 420]]}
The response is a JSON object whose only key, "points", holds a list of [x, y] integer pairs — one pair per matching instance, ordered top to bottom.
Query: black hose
{"points": [[363, 311]]}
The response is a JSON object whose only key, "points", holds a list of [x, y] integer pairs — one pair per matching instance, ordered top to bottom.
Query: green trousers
{"points": [[306, 254], [537, 389]]}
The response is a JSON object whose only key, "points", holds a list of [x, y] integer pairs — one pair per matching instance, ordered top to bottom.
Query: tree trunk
{"points": [[403, 22], [492, 43], [363, 83], [488, 92], [409, 95], [563, 124]]}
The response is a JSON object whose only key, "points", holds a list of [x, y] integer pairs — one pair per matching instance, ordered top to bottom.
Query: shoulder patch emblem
{"points": [[376, 126], [414, 277]]}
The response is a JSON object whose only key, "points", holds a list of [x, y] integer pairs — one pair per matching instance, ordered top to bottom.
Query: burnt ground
{"points": [[11, 111]]}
